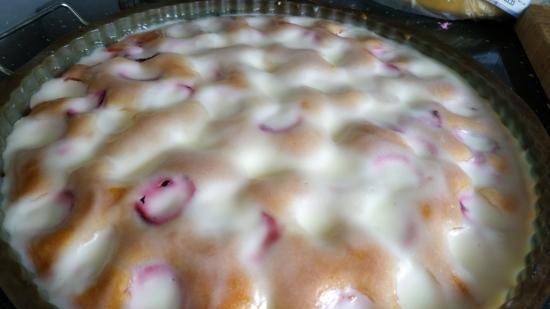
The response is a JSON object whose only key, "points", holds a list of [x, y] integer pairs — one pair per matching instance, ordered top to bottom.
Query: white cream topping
{"points": [[96, 57], [58, 88], [33, 132], [477, 142], [30, 217], [82, 262], [155, 286], [416, 289], [347, 298]]}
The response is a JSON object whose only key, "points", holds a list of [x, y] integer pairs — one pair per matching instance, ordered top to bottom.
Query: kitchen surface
{"points": [[492, 43]]}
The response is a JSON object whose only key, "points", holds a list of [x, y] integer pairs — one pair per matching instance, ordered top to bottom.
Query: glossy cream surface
{"points": [[265, 162]]}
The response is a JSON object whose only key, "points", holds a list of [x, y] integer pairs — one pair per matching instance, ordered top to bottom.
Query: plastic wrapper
{"points": [[447, 9]]}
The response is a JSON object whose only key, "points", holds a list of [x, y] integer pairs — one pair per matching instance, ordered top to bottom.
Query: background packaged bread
{"points": [[447, 9], [452, 9]]}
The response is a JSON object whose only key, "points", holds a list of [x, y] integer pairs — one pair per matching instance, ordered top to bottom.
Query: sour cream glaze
{"points": [[265, 162]]}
